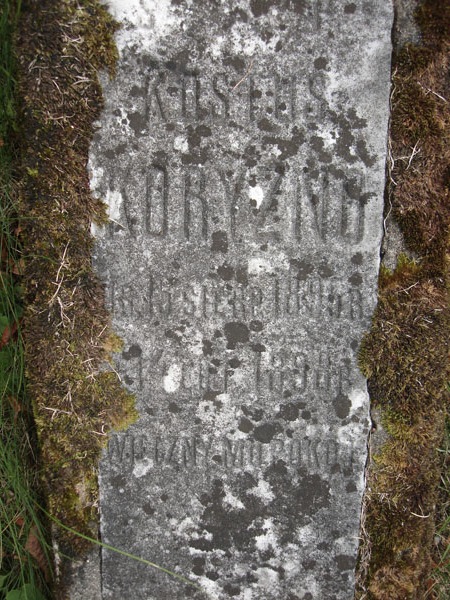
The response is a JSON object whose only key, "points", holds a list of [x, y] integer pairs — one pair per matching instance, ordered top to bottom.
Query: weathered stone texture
{"points": [[242, 155]]}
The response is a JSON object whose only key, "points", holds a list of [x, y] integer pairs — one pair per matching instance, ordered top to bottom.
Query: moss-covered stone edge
{"points": [[62, 45], [405, 355]]}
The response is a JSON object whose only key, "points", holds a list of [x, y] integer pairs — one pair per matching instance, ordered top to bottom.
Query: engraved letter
{"points": [[195, 205]]}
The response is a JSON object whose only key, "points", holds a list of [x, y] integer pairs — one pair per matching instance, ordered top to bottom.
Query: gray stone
{"points": [[242, 155], [82, 577]]}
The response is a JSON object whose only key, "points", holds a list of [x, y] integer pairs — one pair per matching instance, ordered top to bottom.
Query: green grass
{"points": [[24, 555]]}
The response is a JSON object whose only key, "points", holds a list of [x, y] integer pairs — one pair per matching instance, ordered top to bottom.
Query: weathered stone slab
{"points": [[241, 152]]}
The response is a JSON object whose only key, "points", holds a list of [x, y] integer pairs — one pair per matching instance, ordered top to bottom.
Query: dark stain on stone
{"points": [[299, 6], [261, 7], [349, 9], [239, 15], [266, 36], [236, 62], [320, 63], [137, 92], [137, 122], [356, 122], [266, 125], [346, 125], [195, 135], [317, 145], [287, 147], [118, 150], [363, 153], [251, 156], [199, 157], [337, 173], [354, 191], [219, 241], [357, 259], [303, 267], [324, 270], [225, 272], [242, 275], [356, 279], [256, 326], [236, 333], [174, 334], [354, 345], [207, 347], [258, 347], [133, 351], [234, 363], [210, 395], [342, 405], [174, 408], [288, 412], [256, 414], [306, 414], [245, 425], [266, 432], [118, 481], [350, 487], [295, 501], [148, 509], [225, 526], [335, 534], [202, 544], [323, 546], [267, 555], [345, 562], [309, 564], [198, 565], [213, 575], [231, 589]]}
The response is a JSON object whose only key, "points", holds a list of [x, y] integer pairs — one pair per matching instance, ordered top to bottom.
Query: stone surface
{"points": [[242, 155], [82, 579]]}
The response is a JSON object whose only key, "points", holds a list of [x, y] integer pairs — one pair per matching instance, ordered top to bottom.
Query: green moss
{"points": [[433, 17], [413, 116], [66, 328], [405, 355]]}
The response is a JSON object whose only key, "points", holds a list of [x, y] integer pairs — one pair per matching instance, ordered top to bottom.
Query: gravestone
{"points": [[241, 152]]}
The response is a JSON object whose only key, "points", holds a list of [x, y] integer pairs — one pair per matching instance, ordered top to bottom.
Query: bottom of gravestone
{"points": [[229, 539], [84, 577]]}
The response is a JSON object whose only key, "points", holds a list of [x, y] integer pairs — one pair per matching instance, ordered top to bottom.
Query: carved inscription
{"points": [[190, 97], [241, 154], [322, 210], [272, 297], [268, 375], [225, 453]]}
